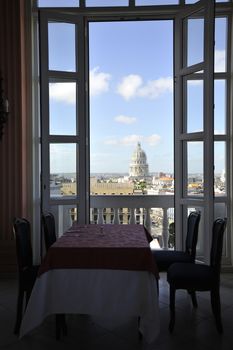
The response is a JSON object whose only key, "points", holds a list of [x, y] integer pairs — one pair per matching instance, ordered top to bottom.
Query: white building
{"points": [[138, 165]]}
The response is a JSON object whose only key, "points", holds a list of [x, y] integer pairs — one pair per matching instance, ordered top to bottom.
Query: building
{"points": [[138, 168]]}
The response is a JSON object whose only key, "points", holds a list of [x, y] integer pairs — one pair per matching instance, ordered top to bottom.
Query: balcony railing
{"points": [[149, 210], [156, 212]]}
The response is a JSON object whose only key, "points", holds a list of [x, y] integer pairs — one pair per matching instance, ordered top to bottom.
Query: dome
{"points": [[139, 156], [138, 164]]}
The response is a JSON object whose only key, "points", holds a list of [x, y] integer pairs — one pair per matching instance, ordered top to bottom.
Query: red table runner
{"points": [[118, 247]]}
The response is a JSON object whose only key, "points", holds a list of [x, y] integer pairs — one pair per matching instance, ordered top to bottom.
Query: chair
{"points": [[48, 222], [50, 237], [164, 258], [27, 272], [200, 277]]}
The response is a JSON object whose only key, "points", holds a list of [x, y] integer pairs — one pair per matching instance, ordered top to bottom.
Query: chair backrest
{"points": [[48, 222], [219, 227], [22, 232], [192, 233]]}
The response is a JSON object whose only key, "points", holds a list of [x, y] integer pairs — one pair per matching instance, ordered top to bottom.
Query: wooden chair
{"points": [[48, 223], [164, 258], [27, 272], [200, 277]]}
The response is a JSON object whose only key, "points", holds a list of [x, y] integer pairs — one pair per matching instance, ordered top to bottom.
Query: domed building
{"points": [[138, 166]]}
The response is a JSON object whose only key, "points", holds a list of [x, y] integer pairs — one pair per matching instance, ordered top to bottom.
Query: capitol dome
{"points": [[138, 165]]}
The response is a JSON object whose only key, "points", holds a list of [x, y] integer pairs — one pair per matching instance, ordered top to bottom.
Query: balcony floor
{"points": [[194, 330]]}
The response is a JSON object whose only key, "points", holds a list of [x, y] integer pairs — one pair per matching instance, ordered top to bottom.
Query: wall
{"points": [[15, 145]]}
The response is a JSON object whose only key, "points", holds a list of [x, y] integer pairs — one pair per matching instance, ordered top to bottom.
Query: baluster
{"points": [[100, 216], [116, 216], [132, 216], [147, 219], [165, 232]]}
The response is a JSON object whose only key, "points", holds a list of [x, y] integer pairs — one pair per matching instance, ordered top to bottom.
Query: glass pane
{"points": [[191, 1], [156, 2], [58, 3], [101, 3], [195, 40], [61, 46], [220, 52], [194, 105], [219, 107], [62, 108], [126, 109], [220, 168], [63, 170], [195, 185], [64, 216]]}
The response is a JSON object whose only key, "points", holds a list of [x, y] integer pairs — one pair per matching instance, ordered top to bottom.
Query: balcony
{"points": [[156, 212]]}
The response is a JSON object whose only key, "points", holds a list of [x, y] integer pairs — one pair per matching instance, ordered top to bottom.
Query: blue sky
{"points": [[131, 95]]}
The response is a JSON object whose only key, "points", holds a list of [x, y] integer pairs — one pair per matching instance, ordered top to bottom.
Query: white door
{"points": [[194, 115], [64, 148]]}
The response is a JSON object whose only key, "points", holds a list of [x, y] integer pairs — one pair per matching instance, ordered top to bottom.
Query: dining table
{"points": [[99, 270]]}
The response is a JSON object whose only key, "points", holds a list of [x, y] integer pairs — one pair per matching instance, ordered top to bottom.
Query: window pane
{"points": [[156, 2], [58, 3], [101, 3], [195, 40], [220, 45], [61, 46], [194, 105], [219, 107], [62, 108], [195, 168], [220, 168], [63, 170]]}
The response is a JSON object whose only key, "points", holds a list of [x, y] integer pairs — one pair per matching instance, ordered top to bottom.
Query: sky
{"points": [[131, 95]]}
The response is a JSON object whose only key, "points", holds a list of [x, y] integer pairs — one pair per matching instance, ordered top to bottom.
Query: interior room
{"points": [[113, 114]]}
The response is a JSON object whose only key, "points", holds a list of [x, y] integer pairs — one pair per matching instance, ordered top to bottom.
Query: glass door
{"points": [[63, 123], [194, 127]]}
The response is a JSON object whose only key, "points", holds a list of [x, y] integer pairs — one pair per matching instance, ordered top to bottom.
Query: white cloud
{"points": [[220, 60], [99, 82], [129, 86], [132, 86], [155, 88], [63, 92], [66, 92], [125, 119], [131, 140], [153, 140]]}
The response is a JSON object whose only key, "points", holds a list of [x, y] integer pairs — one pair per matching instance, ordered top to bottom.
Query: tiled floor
{"points": [[194, 330]]}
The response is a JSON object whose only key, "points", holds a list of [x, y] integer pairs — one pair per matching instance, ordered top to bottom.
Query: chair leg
{"points": [[28, 294], [193, 298], [216, 307], [172, 309], [19, 311], [60, 325], [139, 333]]}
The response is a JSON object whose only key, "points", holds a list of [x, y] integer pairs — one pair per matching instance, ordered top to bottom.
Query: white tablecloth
{"points": [[95, 292]]}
